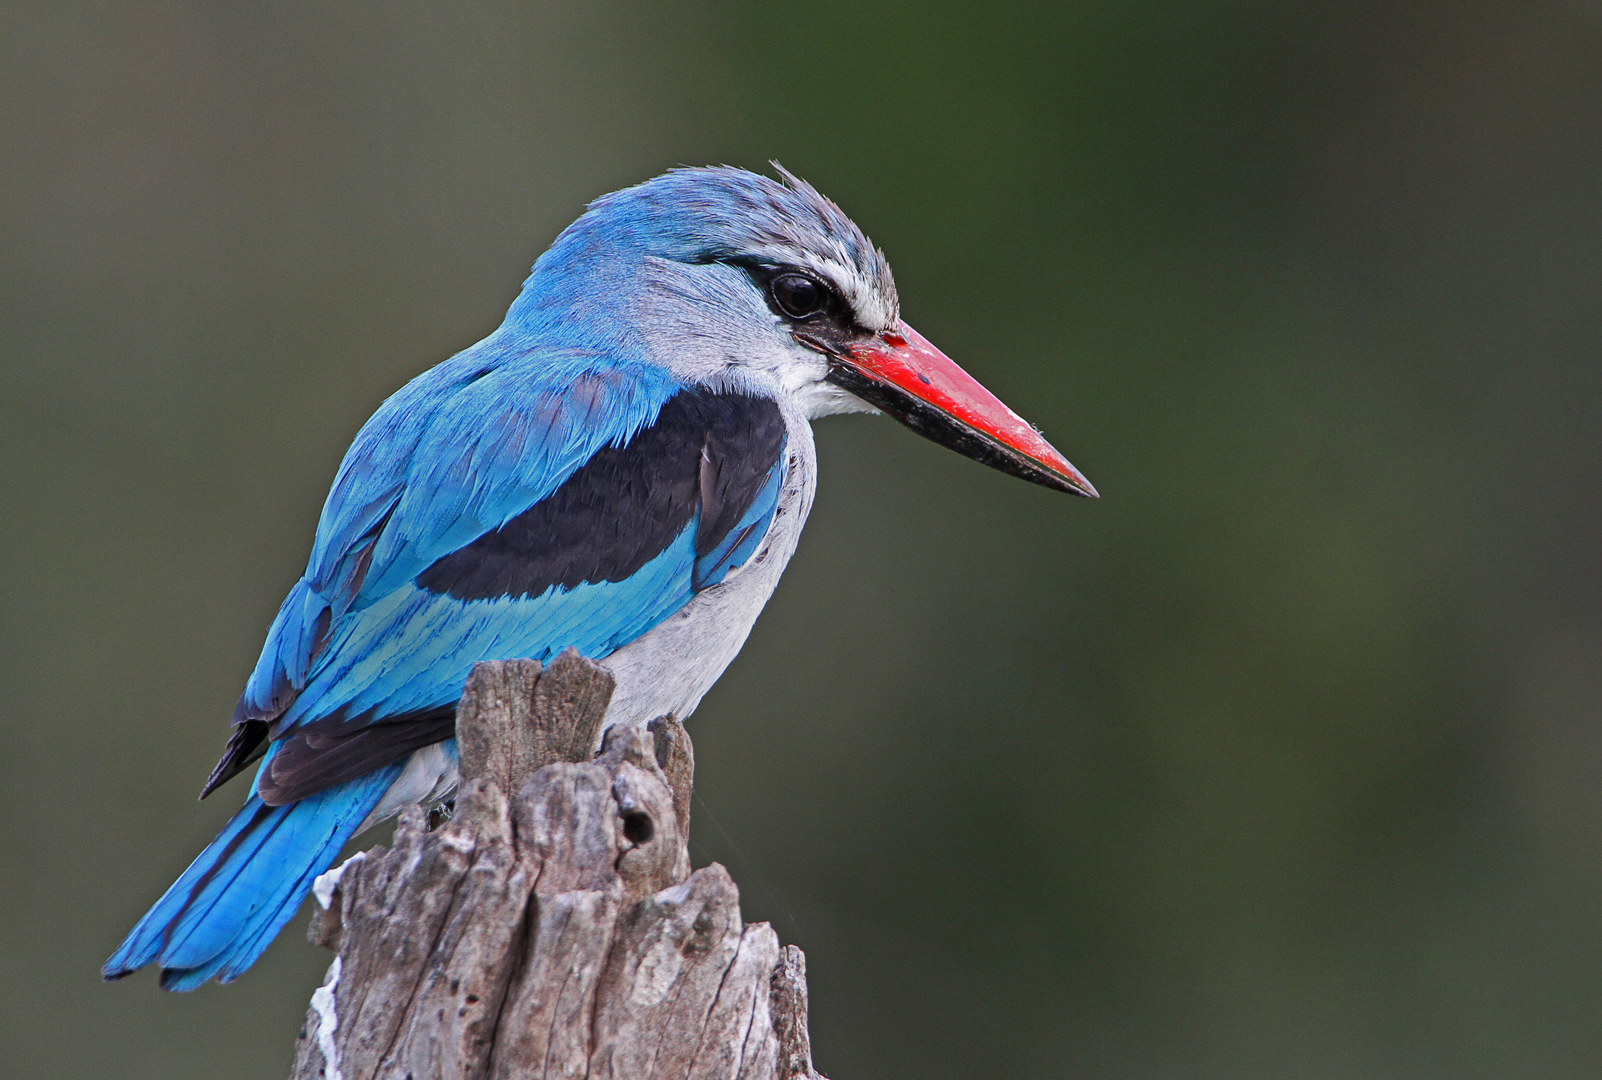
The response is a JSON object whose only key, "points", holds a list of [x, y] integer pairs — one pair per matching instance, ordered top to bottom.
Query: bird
{"points": [[622, 467]]}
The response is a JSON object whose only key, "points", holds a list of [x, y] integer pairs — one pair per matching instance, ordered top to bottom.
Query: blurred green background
{"points": [[1280, 761]]}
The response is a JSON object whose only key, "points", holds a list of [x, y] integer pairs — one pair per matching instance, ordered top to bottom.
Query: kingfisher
{"points": [[622, 467]]}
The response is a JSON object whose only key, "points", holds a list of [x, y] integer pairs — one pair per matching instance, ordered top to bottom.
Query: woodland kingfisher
{"points": [[622, 467]]}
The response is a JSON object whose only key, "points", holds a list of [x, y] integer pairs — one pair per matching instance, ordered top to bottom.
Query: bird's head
{"points": [[736, 281]]}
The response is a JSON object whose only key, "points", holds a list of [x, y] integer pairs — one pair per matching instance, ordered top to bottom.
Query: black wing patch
{"points": [[706, 452]]}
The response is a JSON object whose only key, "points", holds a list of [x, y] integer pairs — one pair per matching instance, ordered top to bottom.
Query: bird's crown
{"points": [[721, 214]]}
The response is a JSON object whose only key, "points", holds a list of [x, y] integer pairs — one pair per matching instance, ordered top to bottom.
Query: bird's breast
{"points": [[672, 666]]}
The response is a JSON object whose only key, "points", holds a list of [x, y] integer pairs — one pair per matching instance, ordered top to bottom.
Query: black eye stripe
{"points": [[828, 315]]}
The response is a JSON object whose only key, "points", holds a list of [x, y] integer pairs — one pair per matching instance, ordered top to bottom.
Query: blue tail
{"points": [[223, 912]]}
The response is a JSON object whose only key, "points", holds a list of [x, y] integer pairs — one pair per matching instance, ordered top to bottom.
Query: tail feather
{"points": [[223, 912]]}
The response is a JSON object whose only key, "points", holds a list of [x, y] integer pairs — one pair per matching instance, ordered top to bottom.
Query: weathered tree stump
{"points": [[559, 933]]}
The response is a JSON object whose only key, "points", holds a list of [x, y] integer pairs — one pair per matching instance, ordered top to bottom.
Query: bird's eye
{"points": [[798, 296]]}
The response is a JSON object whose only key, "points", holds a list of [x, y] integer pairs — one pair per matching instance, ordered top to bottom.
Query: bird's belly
{"points": [[672, 666]]}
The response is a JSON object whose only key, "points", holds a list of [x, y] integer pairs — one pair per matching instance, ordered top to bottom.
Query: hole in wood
{"points": [[638, 828]]}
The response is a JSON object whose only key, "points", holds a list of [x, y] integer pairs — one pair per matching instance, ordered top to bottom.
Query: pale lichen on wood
{"points": [[556, 933]]}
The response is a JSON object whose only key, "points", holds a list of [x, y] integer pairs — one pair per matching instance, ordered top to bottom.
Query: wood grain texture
{"points": [[515, 716], [676, 758], [558, 933]]}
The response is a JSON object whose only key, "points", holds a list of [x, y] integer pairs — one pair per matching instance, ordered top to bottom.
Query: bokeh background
{"points": [[1284, 760]]}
